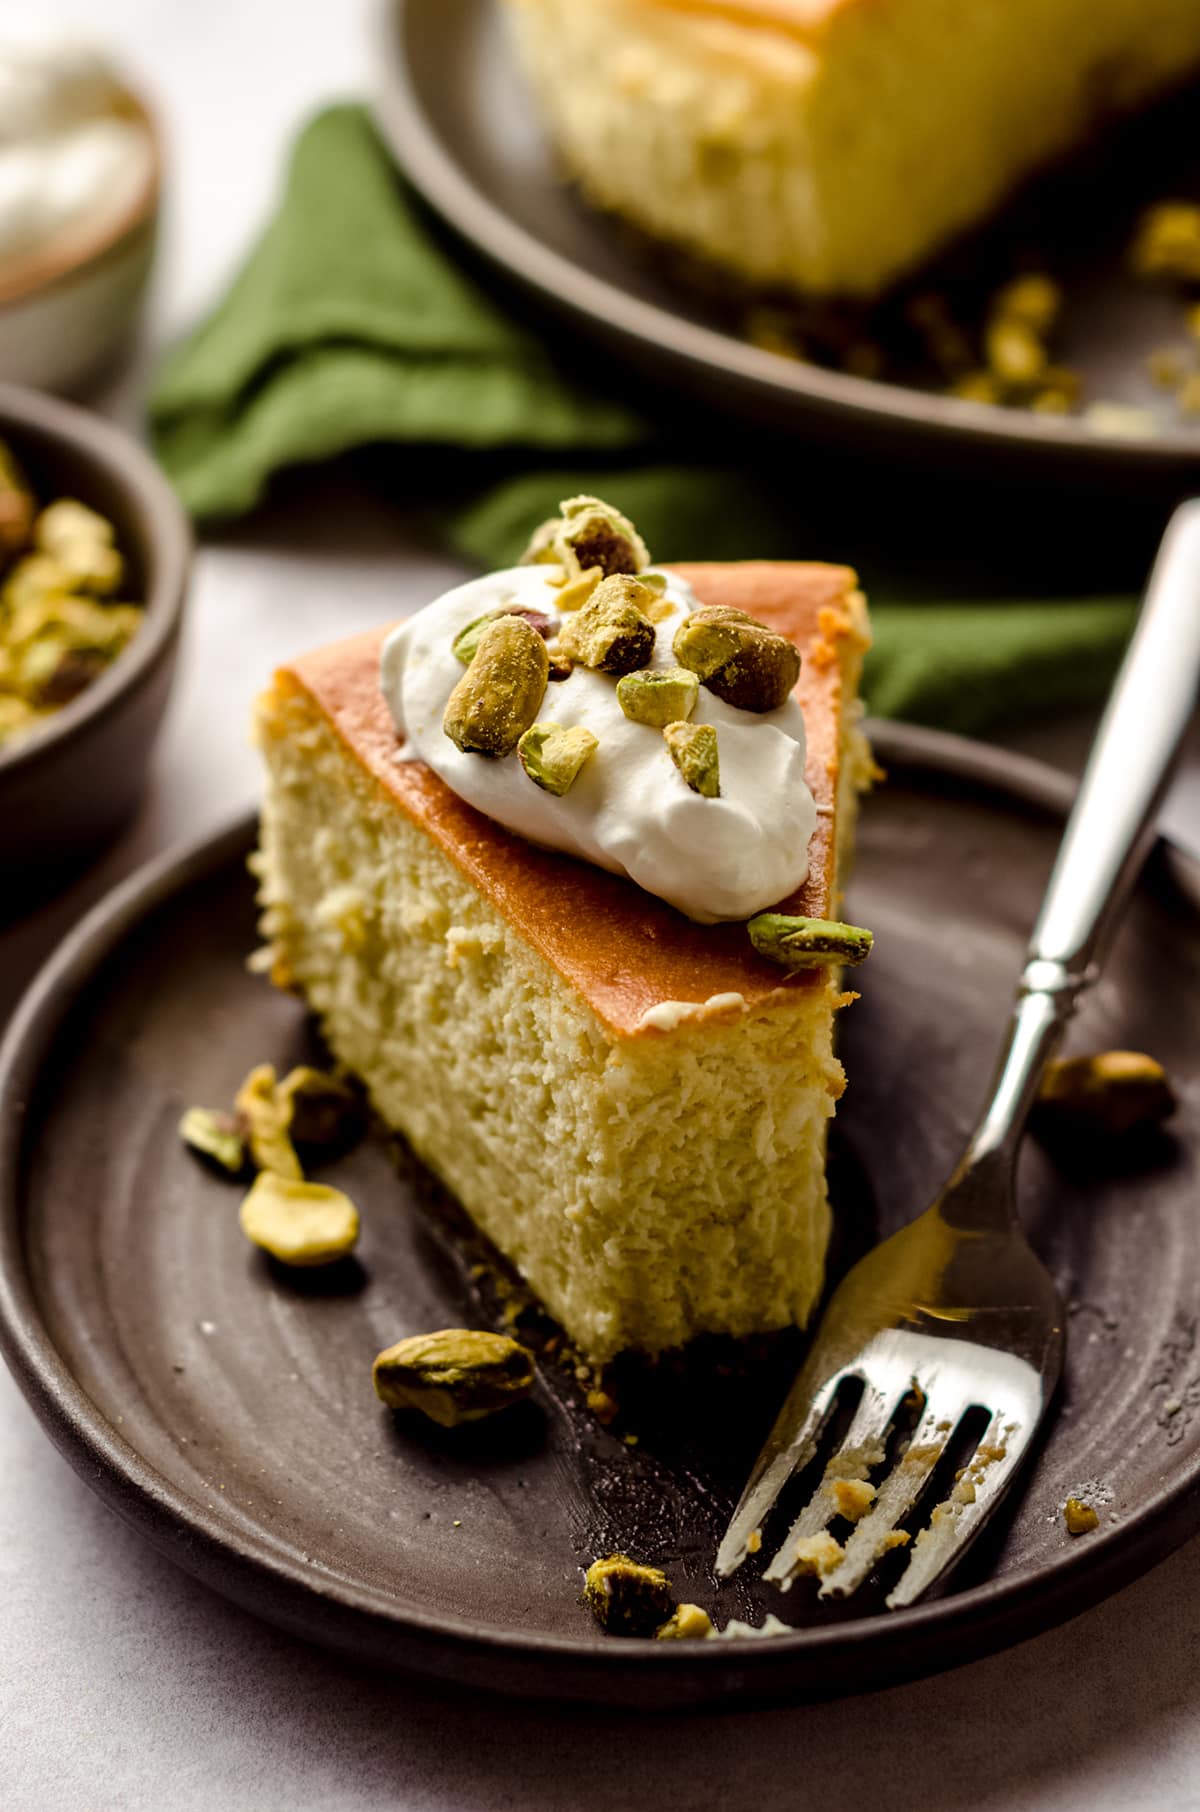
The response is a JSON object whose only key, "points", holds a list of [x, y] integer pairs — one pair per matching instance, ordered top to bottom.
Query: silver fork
{"points": [[955, 1313]]}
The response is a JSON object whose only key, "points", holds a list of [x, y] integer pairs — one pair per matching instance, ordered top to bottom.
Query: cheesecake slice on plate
{"points": [[832, 145], [627, 1097]]}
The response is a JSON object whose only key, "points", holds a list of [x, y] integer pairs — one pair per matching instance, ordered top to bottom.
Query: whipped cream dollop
{"points": [[69, 160], [630, 809]]}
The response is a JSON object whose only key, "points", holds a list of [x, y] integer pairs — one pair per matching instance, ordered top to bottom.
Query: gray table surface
{"points": [[127, 1686]]}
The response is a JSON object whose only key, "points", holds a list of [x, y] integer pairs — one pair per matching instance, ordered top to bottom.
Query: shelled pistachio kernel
{"points": [[17, 505], [588, 532], [83, 543], [611, 633], [466, 642], [737, 658], [498, 696], [658, 696], [693, 749], [552, 755], [797, 943], [1111, 1092], [321, 1113], [265, 1119], [214, 1136], [298, 1223], [455, 1375], [1079, 1517], [627, 1599], [687, 1623]]}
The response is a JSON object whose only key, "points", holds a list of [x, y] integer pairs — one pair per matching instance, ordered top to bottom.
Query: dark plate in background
{"points": [[455, 109], [225, 1409]]}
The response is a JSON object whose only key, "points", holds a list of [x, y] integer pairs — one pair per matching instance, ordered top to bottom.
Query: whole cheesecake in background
{"points": [[831, 146], [631, 1103]]}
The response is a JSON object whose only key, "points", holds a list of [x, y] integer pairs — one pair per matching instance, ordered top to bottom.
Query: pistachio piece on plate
{"points": [[740, 660], [498, 696], [658, 696], [693, 749], [552, 755], [799, 943], [1110, 1092], [321, 1114], [265, 1119], [214, 1136], [301, 1224], [455, 1375], [1079, 1517], [628, 1599], [687, 1623]]}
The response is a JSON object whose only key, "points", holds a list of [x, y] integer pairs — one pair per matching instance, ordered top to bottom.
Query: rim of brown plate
{"points": [[614, 314]]}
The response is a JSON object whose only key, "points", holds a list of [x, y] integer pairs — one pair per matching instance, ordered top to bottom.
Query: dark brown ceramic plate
{"points": [[456, 111], [226, 1410]]}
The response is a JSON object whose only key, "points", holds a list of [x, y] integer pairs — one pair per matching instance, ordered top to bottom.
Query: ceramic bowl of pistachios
{"points": [[94, 557]]}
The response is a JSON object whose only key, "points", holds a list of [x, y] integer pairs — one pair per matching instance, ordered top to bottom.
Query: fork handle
{"points": [[1110, 825]]}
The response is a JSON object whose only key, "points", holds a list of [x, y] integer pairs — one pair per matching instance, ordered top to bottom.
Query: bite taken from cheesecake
{"points": [[556, 863]]}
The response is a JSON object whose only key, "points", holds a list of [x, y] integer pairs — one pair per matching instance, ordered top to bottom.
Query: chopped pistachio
{"points": [[1167, 242], [1033, 299], [1015, 354], [17, 504], [589, 532], [82, 542], [541, 549], [573, 594], [611, 632], [466, 642], [737, 658], [560, 667], [658, 695], [498, 696], [693, 749], [553, 756], [799, 943], [1110, 1092], [321, 1114], [265, 1119], [214, 1136], [301, 1224], [455, 1375], [1079, 1517], [627, 1599], [687, 1623]]}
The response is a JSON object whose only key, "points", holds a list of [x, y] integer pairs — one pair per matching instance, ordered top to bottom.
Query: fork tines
{"points": [[911, 1381]]}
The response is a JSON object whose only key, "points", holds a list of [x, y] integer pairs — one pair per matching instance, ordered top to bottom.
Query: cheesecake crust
{"points": [[626, 952]]}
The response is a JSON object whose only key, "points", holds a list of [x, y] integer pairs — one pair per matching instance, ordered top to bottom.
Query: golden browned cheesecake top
{"points": [[624, 950]]}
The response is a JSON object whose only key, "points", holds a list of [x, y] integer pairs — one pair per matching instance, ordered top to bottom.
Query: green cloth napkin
{"points": [[355, 324]]}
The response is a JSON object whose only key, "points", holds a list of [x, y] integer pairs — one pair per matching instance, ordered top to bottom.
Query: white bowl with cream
{"points": [[80, 174]]}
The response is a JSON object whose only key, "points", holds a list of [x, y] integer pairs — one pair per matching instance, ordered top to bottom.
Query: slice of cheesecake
{"points": [[833, 145], [631, 1105]]}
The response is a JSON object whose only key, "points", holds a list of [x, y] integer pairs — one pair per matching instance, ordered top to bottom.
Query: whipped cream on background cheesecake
{"points": [[832, 145], [630, 1104]]}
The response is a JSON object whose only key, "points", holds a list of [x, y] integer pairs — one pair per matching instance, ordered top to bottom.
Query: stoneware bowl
{"points": [[67, 306], [66, 789]]}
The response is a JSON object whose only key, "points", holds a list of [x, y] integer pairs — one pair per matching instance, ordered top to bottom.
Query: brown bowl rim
{"points": [[168, 529]]}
